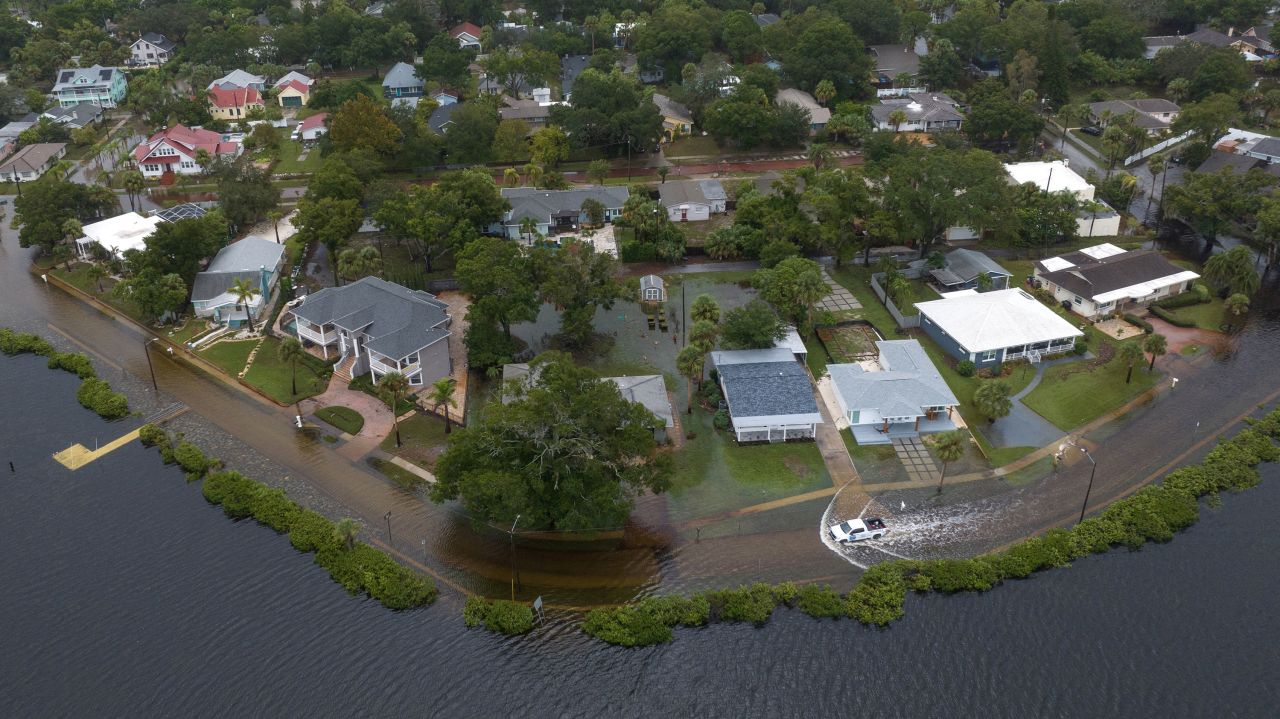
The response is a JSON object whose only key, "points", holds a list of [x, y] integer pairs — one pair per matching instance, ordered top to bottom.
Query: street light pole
{"points": [[628, 136], [146, 351], [1089, 489], [390, 540], [515, 571]]}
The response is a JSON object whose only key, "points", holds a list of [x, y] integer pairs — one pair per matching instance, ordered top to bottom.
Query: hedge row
{"points": [[1198, 295], [1170, 317], [1136, 320], [94, 393], [1153, 513], [358, 568], [498, 615]]}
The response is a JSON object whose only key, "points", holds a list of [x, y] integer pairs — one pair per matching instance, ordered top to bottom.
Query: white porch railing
{"points": [[321, 338]]}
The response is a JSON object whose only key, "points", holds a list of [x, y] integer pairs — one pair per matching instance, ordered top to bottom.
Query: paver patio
{"points": [[838, 299]]}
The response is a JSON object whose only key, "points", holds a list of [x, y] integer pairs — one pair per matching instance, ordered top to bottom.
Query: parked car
{"points": [[1092, 130], [854, 530]]}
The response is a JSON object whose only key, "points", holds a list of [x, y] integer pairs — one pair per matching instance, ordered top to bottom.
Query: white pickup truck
{"points": [[854, 530]]}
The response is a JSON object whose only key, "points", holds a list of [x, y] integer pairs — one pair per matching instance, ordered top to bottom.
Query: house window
{"points": [[187, 164], [151, 168], [1078, 300], [989, 355], [415, 379], [854, 416]]}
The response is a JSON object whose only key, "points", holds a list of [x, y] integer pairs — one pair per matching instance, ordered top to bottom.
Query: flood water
{"points": [[126, 594]]}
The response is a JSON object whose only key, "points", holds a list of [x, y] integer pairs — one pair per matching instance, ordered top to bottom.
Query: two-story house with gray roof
{"points": [[151, 50], [402, 81], [95, 85], [554, 211], [377, 327], [900, 395]]}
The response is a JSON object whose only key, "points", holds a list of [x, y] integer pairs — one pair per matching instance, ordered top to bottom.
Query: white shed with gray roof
{"points": [[769, 395]]}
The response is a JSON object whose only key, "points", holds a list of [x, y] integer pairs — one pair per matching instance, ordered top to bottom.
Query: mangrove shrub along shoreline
{"points": [[94, 394], [1153, 513], [355, 565], [498, 615]]}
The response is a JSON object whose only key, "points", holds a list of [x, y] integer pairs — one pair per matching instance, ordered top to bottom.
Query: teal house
{"points": [[95, 85], [255, 259]]}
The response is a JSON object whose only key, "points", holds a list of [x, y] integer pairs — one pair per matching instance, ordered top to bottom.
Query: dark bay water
{"points": [[125, 594]]}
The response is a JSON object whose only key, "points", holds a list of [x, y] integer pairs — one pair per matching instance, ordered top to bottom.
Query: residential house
{"points": [[376, 8], [765, 19], [467, 34], [1204, 36], [1256, 41], [150, 50], [895, 62], [571, 66], [646, 74], [239, 79], [402, 81], [95, 85], [293, 90], [446, 97], [234, 104], [921, 112], [534, 114], [1154, 115], [819, 116], [75, 117], [441, 118], [677, 121], [12, 130], [310, 130], [1266, 149], [176, 150], [1219, 160], [32, 161], [1057, 176], [692, 200], [555, 211], [116, 235], [255, 259], [964, 268], [1104, 279], [653, 289], [377, 327], [988, 328], [648, 391], [902, 394], [769, 395]]}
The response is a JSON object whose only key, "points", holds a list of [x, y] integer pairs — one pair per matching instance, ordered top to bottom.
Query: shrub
{"points": [[632, 251], [1185, 299], [1171, 318], [1136, 320], [12, 343], [1080, 349], [73, 362], [966, 368], [997, 369], [96, 394], [721, 419], [151, 435], [190, 458], [240, 496], [274, 509], [311, 532], [960, 575], [879, 596], [819, 601], [745, 604], [498, 615], [626, 626]]}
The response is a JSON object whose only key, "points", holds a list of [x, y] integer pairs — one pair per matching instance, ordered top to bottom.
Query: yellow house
{"points": [[293, 90], [234, 103], [677, 121]]}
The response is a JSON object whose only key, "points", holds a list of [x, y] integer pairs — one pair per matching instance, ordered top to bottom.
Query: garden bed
{"points": [[344, 418]]}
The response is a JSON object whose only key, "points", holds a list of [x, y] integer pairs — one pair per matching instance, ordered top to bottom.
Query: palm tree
{"points": [[1178, 89], [824, 91], [1071, 115], [897, 118], [819, 155], [1155, 167], [663, 171], [533, 174], [511, 177], [134, 184], [275, 216], [529, 228], [72, 229], [62, 256], [353, 263], [1234, 270], [96, 272], [244, 291], [1237, 304], [704, 307], [702, 334], [1155, 345], [289, 352], [1131, 353], [689, 363], [391, 388], [441, 395], [992, 399], [949, 446], [347, 530]]}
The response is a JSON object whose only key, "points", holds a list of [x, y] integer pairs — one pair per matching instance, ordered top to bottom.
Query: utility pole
{"points": [[150, 368], [390, 540], [515, 571]]}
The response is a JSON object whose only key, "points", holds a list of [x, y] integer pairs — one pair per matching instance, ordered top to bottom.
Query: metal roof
{"points": [[995, 320]]}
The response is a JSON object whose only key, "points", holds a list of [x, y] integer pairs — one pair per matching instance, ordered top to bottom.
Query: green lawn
{"points": [[691, 146], [289, 163], [79, 278], [857, 279], [920, 292], [1210, 315], [190, 330], [229, 356], [816, 357], [275, 378], [1070, 398], [344, 418], [422, 440], [714, 474], [399, 475]]}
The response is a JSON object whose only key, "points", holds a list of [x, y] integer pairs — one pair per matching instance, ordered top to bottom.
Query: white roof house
{"points": [[1050, 177], [118, 234], [990, 327]]}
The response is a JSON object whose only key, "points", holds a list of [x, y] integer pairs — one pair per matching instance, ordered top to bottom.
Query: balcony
{"points": [[320, 338]]}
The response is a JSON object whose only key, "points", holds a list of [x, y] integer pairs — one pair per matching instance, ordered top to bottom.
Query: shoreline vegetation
{"points": [[94, 394], [1153, 513]]}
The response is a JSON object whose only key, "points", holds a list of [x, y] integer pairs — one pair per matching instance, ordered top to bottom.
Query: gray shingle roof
{"points": [[159, 41], [894, 60], [571, 66], [402, 74], [238, 79], [931, 107], [670, 108], [75, 116], [442, 116], [1269, 146], [1220, 160], [681, 191], [541, 205], [251, 253], [965, 266], [1096, 277], [209, 285], [399, 321], [908, 383], [767, 389], [649, 391]]}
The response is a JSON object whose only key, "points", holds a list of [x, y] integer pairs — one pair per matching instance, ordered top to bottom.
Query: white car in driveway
{"points": [[854, 530]]}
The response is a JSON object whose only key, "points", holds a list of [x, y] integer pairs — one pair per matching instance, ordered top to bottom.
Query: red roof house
{"points": [[467, 34], [174, 150]]}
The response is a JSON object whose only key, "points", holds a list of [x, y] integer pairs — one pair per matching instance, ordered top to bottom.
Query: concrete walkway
{"points": [[834, 453], [916, 459]]}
